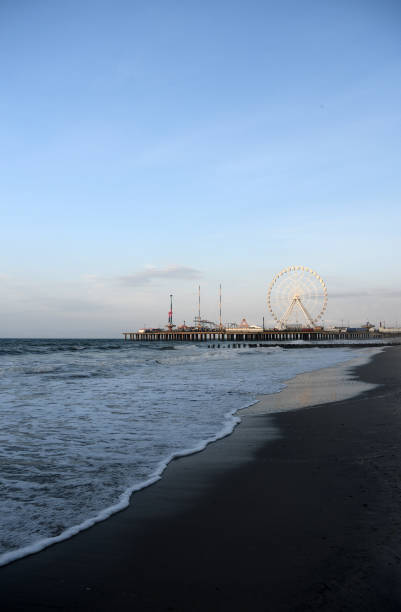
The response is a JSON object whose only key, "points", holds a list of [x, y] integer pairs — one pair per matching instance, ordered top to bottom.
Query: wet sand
{"points": [[308, 520]]}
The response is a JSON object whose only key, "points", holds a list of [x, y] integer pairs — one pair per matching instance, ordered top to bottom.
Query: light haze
{"points": [[148, 147]]}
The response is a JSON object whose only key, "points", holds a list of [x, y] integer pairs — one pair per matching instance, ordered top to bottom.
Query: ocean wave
{"points": [[43, 347], [87, 428], [124, 499]]}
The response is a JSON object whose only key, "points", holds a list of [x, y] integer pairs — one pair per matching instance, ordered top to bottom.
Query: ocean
{"points": [[84, 423]]}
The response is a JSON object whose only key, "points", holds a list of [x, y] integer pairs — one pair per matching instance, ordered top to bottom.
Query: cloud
{"points": [[152, 273], [6, 279], [375, 293], [68, 304]]}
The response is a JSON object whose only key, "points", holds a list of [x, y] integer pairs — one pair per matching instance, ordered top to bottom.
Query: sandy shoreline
{"points": [[332, 384], [247, 524]]}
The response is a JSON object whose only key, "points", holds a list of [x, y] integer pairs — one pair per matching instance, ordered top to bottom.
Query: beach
{"points": [[296, 510]]}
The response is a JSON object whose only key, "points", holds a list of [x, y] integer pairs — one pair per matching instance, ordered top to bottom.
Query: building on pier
{"points": [[244, 326]]}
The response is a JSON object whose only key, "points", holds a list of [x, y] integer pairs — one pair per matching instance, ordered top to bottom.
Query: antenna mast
{"points": [[220, 306], [170, 314], [199, 315]]}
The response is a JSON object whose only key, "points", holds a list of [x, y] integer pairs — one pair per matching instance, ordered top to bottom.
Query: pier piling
{"points": [[266, 336]]}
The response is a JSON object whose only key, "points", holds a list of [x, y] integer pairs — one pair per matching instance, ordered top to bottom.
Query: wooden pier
{"points": [[251, 336]]}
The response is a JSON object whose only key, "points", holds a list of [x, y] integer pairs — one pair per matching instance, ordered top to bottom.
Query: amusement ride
{"points": [[297, 291]]}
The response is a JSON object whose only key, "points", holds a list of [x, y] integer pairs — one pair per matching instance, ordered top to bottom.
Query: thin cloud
{"points": [[150, 274], [384, 293], [70, 305]]}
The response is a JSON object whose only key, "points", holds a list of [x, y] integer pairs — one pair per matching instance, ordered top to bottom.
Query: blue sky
{"points": [[147, 147]]}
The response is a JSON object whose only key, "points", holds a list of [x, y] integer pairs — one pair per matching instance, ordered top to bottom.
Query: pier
{"points": [[295, 291], [223, 335]]}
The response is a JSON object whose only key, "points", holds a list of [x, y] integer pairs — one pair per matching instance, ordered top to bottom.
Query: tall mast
{"points": [[220, 306], [199, 310], [170, 314]]}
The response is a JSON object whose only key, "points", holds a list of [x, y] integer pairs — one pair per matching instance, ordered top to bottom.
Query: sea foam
{"points": [[81, 430]]}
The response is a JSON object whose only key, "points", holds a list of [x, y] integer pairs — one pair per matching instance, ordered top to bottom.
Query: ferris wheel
{"points": [[297, 291]]}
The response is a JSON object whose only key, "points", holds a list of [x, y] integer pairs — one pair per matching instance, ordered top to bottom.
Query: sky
{"points": [[147, 148]]}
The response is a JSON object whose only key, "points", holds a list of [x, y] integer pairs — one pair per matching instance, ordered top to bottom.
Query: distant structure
{"points": [[297, 291], [220, 319], [170, 323], [244, 326]]}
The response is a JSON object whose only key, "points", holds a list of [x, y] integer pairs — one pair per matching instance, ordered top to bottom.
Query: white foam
{"points": [[121, 425], [123, 502]]}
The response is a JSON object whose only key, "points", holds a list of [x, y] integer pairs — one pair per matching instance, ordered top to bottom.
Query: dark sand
{"points": [[310, 520]]}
